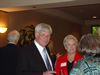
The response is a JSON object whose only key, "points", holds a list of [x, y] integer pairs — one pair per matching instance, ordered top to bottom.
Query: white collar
{"points": [[11, 43], [40, 48]]}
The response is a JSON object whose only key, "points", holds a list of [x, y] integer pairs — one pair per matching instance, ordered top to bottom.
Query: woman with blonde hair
{"points": [[54, 56], [65, 63]]}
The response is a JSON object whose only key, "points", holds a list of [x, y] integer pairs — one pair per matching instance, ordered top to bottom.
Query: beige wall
{"points": [[3, 23], [61, 28], [86, 29], [3, 39]]}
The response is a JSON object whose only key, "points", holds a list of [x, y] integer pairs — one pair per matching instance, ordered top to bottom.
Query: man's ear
{"points": [[36, 35], [16, 41]]}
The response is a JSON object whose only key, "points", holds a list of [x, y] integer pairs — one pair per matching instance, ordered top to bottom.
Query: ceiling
{"points": [[81, 9], [84, 12]]}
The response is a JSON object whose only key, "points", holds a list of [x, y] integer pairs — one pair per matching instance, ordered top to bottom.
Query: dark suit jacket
{"points": [[8, 59], [31, 62]]}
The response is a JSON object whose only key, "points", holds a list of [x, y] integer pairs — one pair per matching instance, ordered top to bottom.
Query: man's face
{"points": [[43, 38]]}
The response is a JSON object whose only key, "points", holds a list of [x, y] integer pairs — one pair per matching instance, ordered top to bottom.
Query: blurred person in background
{"points": [[99, 31], [9, 54], [54, 56]]}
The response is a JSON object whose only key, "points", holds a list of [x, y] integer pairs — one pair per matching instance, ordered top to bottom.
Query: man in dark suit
{"points": [[9, 54], [32, 60]]}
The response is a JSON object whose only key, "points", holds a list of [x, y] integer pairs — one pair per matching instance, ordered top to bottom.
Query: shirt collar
{"points": [[11, 43], [40, 48]]}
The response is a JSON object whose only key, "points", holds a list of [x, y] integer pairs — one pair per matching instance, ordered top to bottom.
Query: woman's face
{"points": [[71, 46]]}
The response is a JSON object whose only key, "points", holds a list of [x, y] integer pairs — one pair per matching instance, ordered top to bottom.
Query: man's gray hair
{"points": [[43, 27], [13, 36]]}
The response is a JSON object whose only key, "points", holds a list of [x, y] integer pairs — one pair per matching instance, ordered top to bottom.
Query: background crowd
{"points": [[38, 58]]}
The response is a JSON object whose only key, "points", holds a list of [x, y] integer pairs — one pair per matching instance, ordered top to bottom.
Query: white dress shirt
{"points": [[40, 49]]}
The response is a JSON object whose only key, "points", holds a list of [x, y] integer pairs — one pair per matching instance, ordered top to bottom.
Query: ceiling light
{"points": [[94, 17]]}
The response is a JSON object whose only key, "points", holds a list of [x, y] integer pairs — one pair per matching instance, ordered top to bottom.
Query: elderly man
{"points": [[9, 54], [35, 59]]}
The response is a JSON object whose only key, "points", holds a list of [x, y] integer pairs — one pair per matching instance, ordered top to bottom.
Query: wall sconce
{"points": [[3, 29]]}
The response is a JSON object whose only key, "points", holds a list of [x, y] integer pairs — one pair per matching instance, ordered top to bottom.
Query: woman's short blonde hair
{"points": [[68, 37], [89, 45]]}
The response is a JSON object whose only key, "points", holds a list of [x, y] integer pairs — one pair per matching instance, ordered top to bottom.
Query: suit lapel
{"points": [[36, 54]]}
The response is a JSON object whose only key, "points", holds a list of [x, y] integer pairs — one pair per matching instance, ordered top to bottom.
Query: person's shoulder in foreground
{"points": [[89, 46], [86, 66], [77, 67]]}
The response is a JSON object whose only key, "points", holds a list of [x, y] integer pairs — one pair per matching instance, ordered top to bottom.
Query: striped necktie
{"points": [[47, 60]]}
